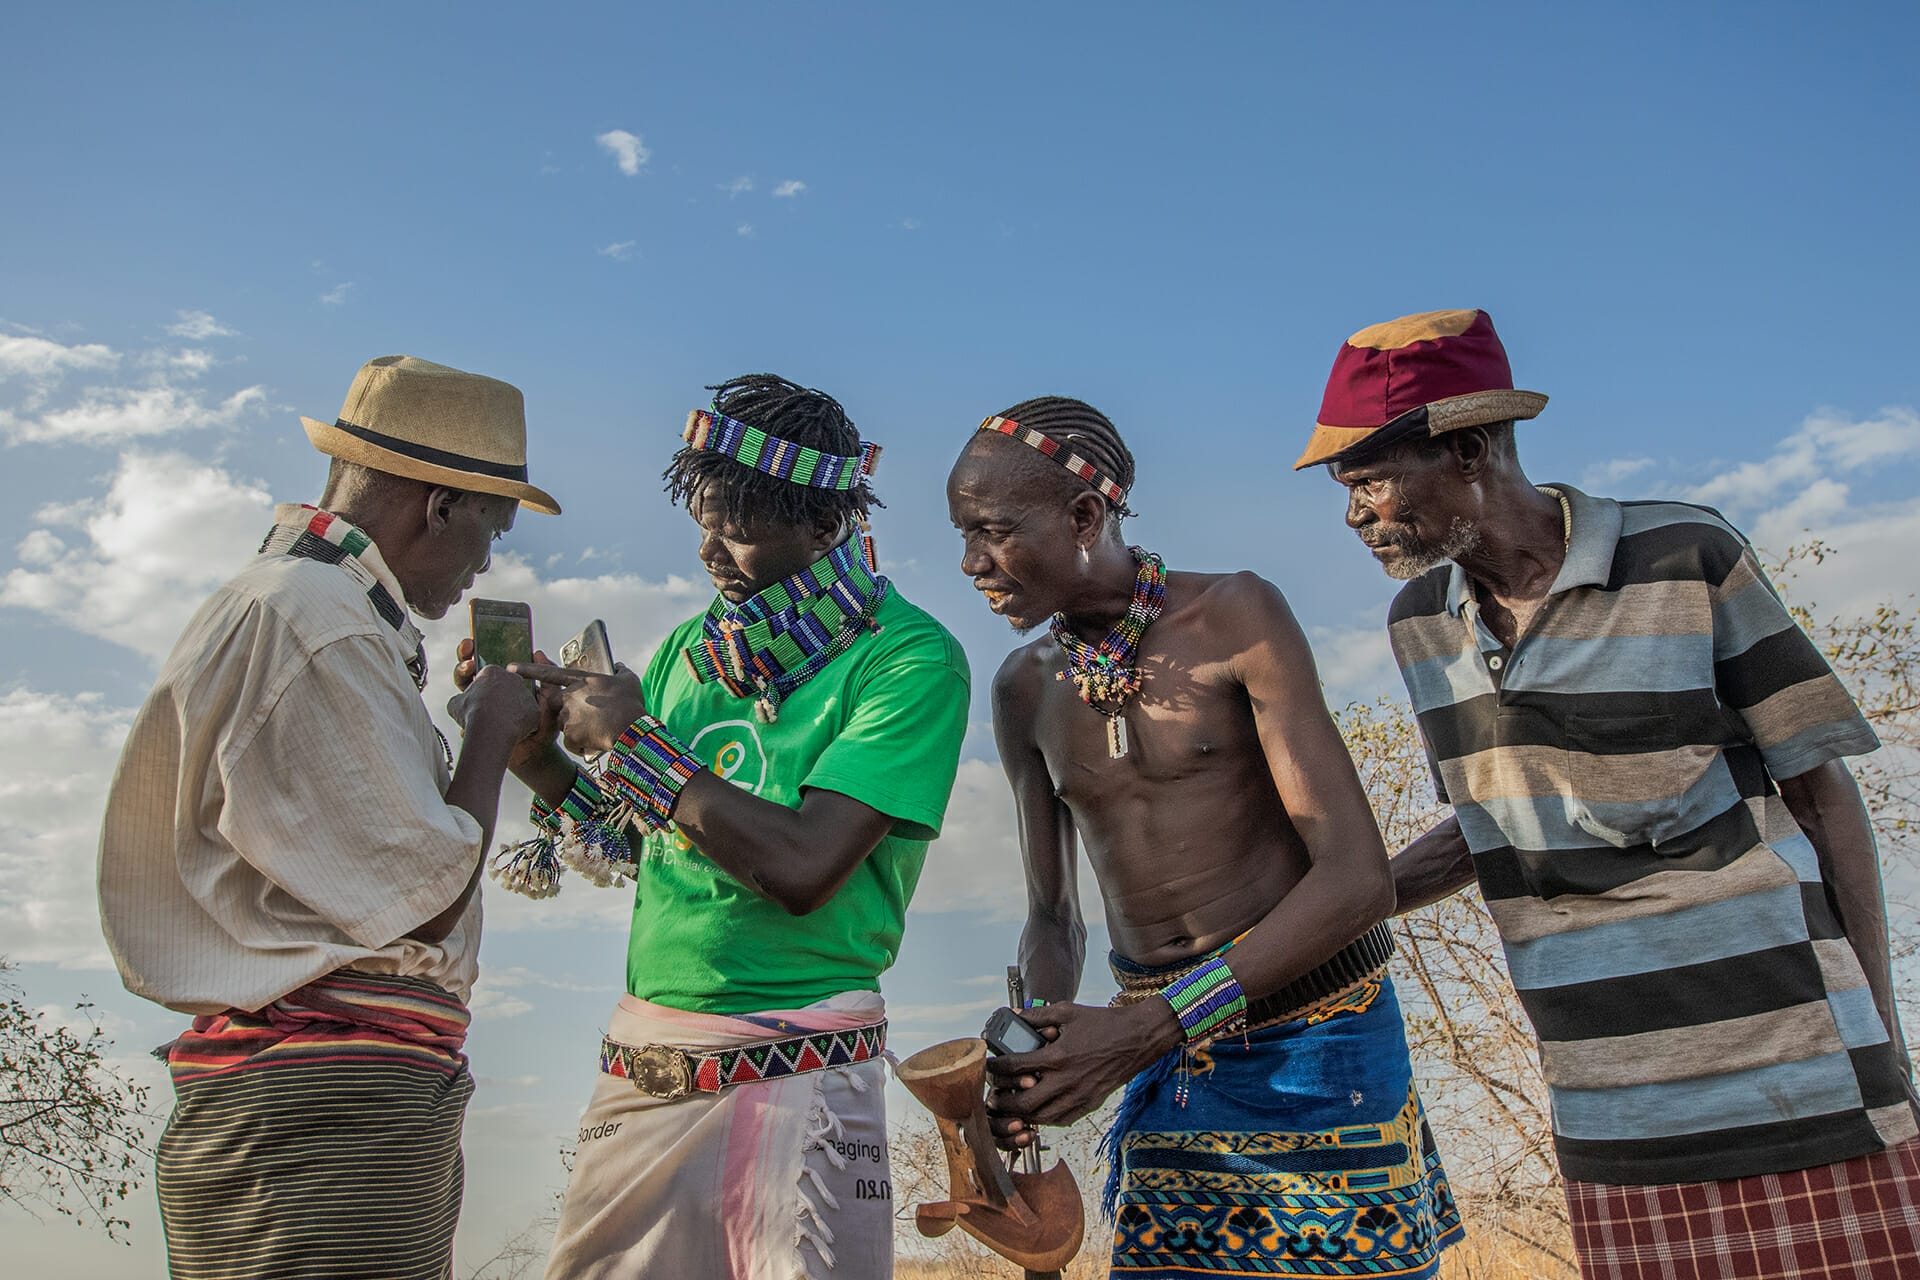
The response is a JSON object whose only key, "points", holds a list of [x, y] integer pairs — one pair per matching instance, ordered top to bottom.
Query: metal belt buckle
{"points": [[660, 1071]]}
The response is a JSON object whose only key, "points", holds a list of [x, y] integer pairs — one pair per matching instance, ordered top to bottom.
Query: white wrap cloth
{"points": [[775, 1180]]}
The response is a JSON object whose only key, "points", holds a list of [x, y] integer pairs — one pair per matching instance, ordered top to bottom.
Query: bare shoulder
{"points": [[1230, 601], [1018, 682]]}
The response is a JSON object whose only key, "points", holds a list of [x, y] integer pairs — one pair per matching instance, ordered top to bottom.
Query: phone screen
{"points": [[502, 635], [1008, 1032]]}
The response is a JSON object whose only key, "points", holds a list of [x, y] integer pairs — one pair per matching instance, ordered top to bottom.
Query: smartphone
{"points": [[502, 631], [589, 651], [1008, 1032]]}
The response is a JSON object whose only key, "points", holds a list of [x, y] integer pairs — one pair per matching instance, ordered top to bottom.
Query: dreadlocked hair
{"points": [[791, 412], [1087, 430]]}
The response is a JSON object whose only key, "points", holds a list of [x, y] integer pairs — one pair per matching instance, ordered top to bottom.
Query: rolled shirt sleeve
{"points": [[331, 799]]}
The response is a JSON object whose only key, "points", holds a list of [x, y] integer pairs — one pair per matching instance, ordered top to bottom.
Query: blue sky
{"points": [[1693, 226]]}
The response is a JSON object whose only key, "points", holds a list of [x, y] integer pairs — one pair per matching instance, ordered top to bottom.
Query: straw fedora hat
{"points": [[1419, 375], [410, 417]]}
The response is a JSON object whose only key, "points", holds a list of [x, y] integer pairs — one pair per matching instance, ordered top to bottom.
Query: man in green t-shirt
{"points": [[788, 754]]}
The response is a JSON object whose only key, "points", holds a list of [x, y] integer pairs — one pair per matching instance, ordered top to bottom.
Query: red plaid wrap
{"points": [[1859, 1218]]}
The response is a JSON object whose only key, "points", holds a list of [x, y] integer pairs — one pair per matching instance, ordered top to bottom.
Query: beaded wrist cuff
{"points": [[647, 768], [583, 801], [1208, 1000]]}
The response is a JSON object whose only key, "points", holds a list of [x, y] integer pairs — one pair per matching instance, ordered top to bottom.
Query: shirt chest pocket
{"points": [[1636, 780]]}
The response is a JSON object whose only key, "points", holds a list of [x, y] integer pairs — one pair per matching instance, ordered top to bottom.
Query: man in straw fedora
{"points": [[1645, 757], [290, 850]]}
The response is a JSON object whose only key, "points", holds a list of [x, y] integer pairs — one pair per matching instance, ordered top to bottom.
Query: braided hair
{"points": [[791, 412], [1090, 434]]}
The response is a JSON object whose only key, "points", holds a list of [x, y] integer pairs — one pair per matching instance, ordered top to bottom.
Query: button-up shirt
{"points": [[278, 812], [1666, 923]]}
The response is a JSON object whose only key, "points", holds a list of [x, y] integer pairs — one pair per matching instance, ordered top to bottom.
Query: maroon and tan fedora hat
{"points": [[1418, 375], [411, 417]]}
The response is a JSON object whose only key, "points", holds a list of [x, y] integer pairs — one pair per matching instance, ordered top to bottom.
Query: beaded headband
{"points": [[1066, 457], [782, 459]]}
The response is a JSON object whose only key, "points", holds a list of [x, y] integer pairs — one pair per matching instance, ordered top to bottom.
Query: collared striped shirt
{"points": [[1666, 923]]}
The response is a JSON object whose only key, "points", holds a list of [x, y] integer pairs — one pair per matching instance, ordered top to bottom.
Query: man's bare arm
{"points": [[1826, 802], [796, 858], [1434, 866], [1348, 888], [1053, 946]]}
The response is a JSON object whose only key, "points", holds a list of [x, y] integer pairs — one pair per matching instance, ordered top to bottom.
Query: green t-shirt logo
{"points": [[732, 750]]}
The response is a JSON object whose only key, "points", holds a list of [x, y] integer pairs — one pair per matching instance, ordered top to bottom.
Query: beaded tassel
{"points": [[1106, 675], [585, 832], [598, 849], [531, 867]]}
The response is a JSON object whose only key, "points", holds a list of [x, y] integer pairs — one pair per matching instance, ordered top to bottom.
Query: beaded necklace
{"points": [[770, 645], [1107, 674]]}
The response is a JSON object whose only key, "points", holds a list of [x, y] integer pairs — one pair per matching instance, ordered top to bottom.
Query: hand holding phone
{"points": [[502, 631], [589, 651], [1007, 1032]]}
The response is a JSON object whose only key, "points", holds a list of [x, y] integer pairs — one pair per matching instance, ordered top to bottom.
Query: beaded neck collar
{"points": [[769, 645], [1107, 674]]}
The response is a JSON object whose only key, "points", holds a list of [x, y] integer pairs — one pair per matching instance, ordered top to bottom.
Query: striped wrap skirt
{"points": [[319, 1136], [1857, 1218]]}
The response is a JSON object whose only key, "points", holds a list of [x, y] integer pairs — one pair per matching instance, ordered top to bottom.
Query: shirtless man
{"points": [[1174, 722]]}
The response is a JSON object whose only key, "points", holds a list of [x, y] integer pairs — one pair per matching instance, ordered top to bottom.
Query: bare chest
{"points": [[1191, 720]]}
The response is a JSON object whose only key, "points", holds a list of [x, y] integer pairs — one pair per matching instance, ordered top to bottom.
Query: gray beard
{"points": [[1416, 558]]}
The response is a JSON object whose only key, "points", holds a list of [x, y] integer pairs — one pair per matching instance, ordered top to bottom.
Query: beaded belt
{"points": [[1360, 961], [664, 1072]]}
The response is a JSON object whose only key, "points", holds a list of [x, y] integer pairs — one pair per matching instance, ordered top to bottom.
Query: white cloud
{"points": [[627, 150], [739, 186], [791, 187], [909, 224], [744, 231], [620, 251], [337, 295], [198, 326], [42, 359], [189, 362], [154, 398], [110, 415], [1825, 443], [1602, 477], [1805, 489], [167, 531], [1356, 662], [56, 758], [976, 861], [975, 864], [490, 1003]]}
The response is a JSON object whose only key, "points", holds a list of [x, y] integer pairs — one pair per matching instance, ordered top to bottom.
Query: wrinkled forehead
{"points": [[1392, 462], [995, 470]]}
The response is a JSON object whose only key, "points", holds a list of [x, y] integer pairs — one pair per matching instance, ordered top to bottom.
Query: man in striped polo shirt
{"points": [[1644, 755]]}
